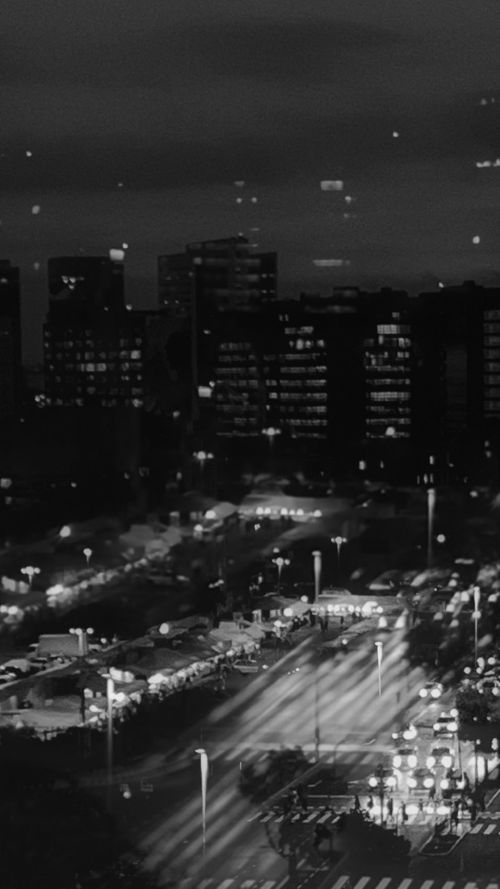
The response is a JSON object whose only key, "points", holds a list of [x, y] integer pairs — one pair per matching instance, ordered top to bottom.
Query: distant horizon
{"points": [[141, 293]]}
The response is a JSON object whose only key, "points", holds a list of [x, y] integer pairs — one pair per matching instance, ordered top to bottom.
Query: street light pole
{"points": [[431, 506], [338, 541], [317, 574], [476, 615], [379, 647], [110, 691], [204, 775]]}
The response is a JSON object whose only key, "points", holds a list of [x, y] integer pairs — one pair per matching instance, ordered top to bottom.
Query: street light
{"points": [[271, 433], [202, 457], [431, 506], [65, 531], [338, 541], [87, 552], [280, 562], [30, 571], [317, 574], [476, 614], [379, 646], [110, 693], [202, 753], [380, 783]]}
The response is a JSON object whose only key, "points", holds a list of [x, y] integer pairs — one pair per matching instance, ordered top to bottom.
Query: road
{"points": [[300, 701]]}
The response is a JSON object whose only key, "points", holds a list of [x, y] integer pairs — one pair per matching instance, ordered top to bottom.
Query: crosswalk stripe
{"points": [[266, 817], [297, 817], [310, 817], [324, 817], [279, 819], [491, 828], [476, 829], [340, 882], [205, 883], [362, 883], [383, 883], [225, 884], [247, 884], [268, 884], [404, 884], [427, 884], [449, 884], [470, 886]]}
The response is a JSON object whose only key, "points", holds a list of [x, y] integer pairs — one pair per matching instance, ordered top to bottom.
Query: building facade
{"points": [[10, 340]]}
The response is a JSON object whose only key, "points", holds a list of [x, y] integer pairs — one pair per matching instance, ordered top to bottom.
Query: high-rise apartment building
{"points": [[217, 274], [10, 339]]}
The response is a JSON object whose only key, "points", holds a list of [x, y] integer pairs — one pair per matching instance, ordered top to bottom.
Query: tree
{"points": [[473, 706]]}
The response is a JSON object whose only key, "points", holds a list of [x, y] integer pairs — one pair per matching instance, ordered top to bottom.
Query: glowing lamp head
{"points": [[64, 532], [288, 612], [435, 692], [423, 693], [396, 761], [412, 761], [446, 761], [430, 762], [372, 781], [391, 781], [412, 782], [428, 783], [444, 784]]}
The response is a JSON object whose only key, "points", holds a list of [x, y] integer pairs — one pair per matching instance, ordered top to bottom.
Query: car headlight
{"points": [[423, 693], [435, 693], [436, 726], [396, 761], [412, 761], [430, 762], [412, 782]]}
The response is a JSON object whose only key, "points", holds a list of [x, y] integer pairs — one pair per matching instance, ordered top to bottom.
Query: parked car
{"points": [[245, 666], [432, 690], [445, 725], [440, 756], [405, 758], [421, 779]]}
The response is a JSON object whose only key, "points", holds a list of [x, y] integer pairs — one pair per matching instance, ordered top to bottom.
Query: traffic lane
{"points": [[260, 720]]}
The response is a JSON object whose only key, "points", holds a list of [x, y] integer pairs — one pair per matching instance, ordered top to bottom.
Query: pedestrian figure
{"points": [[326, 621], [341, 621], [432, 793], [302, 795], [357, 804], [370, 804], [287, 805], [390, 806], [473, 812], [404, 816]]}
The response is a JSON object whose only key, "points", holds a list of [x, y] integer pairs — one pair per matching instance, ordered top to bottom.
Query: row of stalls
{"points": [[165, 661]]}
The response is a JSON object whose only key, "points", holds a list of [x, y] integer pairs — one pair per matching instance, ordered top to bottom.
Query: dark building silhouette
{"points": [[228, 274], [463, 324], [10, 340]]}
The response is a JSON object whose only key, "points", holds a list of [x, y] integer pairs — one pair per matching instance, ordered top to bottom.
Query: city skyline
{"points": [[132, 124]]}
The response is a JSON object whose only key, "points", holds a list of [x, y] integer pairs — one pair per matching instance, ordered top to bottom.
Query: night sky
{"points": [[177, 100]]}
